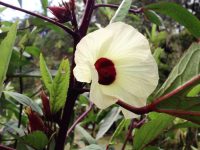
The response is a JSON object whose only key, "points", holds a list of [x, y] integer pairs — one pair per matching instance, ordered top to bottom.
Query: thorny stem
{"points": [[135, 11], [65, 28], [80, 118]]}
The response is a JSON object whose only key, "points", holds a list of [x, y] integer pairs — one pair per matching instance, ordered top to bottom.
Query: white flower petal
{"points": [[126, 41], [87, 52], [82, 73], [139, 78], [121, 93], [101, 100], [128, 115]]}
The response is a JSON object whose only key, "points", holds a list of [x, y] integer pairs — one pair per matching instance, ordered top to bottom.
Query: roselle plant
{"points": [[116, 66]]}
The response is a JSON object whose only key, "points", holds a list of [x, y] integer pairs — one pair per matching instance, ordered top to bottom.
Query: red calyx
{"points": [[62, 14], [106, 71], [46, 104], [35, 122]]}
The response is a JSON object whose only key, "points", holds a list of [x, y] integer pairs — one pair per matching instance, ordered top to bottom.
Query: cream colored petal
{"points": [[126, 41], [88, 50], [82, 73], [138, 77], [135, 80], [134, 83], [119, 92], [100, 99], [128, 115]]}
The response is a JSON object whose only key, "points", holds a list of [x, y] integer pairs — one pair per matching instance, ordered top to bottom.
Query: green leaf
{"points": [[20, 3], [44, 5], [2, 9], [122, 11], [178, 13], [153, 17], [6, 48], [35, 51], [157, 54], [185, 70], [45, 73], [60, 86], [195, 91], [24, 100], [108, 121], [186, 124], [119, 129], [149, 131], [85, 135], [37, 140]]}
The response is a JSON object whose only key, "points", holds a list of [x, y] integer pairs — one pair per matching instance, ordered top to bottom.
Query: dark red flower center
{"points": [[106, 71]]}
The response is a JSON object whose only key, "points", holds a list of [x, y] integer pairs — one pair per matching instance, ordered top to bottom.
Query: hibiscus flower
{"points": [[118, 63]]}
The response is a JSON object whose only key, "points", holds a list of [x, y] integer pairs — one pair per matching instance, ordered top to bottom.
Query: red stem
{"points": [[135, 11], [42, 17], [86, 17], [177, 90], [72, 94], [152, 106], [68, 108], [178, 112], [80, 118], [134, 124], [128, 134], [2, 147]]}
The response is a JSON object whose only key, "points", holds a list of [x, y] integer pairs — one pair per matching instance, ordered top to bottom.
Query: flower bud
{"points": [[62, 14], [46, 105], [35, 122]]}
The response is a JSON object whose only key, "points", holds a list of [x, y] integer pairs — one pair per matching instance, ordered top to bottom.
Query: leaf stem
{"points": [[135, 11], [65, 28], [152, 106], [178, 112], [80, 118], [134, 124], [129, 133]]}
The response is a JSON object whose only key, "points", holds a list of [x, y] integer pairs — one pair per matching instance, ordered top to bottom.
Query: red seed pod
{"points": [[62, 14], [46, 104], [35, 122]]}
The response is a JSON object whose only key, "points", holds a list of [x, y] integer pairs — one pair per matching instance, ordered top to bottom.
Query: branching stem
{"points": [[65, 28], [152, 106], [80, 119]]}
